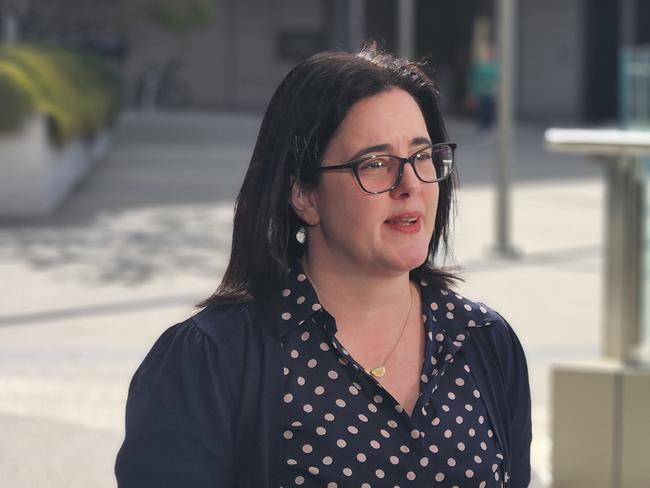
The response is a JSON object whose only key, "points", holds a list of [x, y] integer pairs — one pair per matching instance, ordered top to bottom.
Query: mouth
{"points": [[405, 219]]}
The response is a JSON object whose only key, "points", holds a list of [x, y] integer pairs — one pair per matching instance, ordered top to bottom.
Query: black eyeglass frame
{"points": [[354, 166]]}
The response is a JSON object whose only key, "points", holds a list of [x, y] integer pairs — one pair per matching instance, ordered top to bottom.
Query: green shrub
{"points": [[72, 90], [16, 104]]}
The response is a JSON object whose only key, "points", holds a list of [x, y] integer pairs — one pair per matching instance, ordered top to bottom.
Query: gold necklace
{"points": [[380, 370]]}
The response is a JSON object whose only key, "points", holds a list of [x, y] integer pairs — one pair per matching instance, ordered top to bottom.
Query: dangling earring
{"points": [[301, 235]]}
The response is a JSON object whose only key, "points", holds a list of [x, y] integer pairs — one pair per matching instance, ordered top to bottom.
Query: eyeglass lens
{"points": [[380, 173]]}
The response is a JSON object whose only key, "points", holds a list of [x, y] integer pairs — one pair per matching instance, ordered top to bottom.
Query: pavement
{"points": [[87, 290]]}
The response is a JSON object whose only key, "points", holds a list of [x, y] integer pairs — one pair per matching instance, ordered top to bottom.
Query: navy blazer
{"points": [[203, 408]]}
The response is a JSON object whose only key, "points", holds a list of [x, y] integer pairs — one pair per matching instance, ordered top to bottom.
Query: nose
{"points": [[409, 183]]}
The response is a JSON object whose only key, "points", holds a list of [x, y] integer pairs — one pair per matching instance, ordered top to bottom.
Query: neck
{"points": [[352, 296]]}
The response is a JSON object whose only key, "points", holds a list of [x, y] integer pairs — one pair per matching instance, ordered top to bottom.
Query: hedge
{"points": [[73, 90]]}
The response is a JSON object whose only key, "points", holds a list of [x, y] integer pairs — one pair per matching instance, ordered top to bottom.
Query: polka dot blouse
{"points": [[342, 429]]}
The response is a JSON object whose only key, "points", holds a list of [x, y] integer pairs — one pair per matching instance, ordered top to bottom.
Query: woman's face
{"points": [[383, 233]]}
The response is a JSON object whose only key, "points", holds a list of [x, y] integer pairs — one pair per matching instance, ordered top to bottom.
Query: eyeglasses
{"points": [[383, 172]]}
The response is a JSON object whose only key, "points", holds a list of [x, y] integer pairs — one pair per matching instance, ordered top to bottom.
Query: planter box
{"points": [[35, 176]]}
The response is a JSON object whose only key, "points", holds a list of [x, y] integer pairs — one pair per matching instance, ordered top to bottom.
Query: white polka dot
{"points": [[301, 277], [286, 292], [300, 300], [434, 306], [450, 306], [316, 307], [483, 309], [286, 315], [450, 315], [471, 323], [304, 336], [440, 337], [324, 347], [294, 354], [312, 363], [285, 371], [332, 375], [424, 378], [300, 380], [460, 381], [319, 390], [353, 390], [476, 394], [451, 395], [288, 397], [378, 399], [341, 403], [308, 408], [372, 408], [445, 408], [469, 408], [329, 417], [362, 417], [481, 419], [459, 420], [435, 421], [296, 424], [392, 424], [352, 429], [321, 430], [471, 432], [384, 433], [448, 433], [490, 433], [288, 434], [415, 434], [341, 443], [374, 444], [461, 446], [484, 446], [307, 448], [433, 448], [404, 449], [500, 456], [361, 457], [327, 460], [394, 460], [478, 460], [292, 462], [424, 462], [451, 462], [495, 467], [314, 470], [347, 471], [469, 473], [379, 474], [410, 475], [496, 476], [440, 477], [299, 480], [331, 484], [483, 484], [365, 485]]}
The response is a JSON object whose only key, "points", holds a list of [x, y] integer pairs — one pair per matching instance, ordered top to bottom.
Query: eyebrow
{"points": [[385, 147]]}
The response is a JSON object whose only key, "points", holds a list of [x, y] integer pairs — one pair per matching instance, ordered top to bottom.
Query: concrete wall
{"points": [[550, 60]]}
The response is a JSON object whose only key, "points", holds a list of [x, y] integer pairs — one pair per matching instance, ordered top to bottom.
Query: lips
{"points": [[409, 218], [409, 222]]}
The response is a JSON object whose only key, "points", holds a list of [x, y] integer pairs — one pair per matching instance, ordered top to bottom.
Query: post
{"points": [[507, 16], [357, 24], [406, 29]]}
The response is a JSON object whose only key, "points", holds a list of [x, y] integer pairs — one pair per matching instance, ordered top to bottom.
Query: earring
{"points": [[301, 235]]}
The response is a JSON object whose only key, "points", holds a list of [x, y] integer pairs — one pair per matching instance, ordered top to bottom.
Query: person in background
{"points": [[483, 85], [335, 351]]}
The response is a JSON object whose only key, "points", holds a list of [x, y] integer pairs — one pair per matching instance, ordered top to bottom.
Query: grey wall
{"points": [[550, 60]]}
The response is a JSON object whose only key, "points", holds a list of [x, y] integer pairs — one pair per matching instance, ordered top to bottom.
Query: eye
{"points": [[424, 155], [372, 164]]}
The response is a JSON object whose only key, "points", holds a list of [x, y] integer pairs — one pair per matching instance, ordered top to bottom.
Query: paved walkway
{"points": [[86, 291]]}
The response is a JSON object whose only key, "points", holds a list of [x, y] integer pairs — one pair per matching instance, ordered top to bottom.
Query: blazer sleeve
{"points": [[518, 396], [179, 416]]}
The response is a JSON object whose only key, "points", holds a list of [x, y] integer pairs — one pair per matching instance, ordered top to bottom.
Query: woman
{"points": [[334, 352]]}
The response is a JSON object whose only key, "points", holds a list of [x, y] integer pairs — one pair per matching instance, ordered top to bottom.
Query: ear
{"points": [[303, 203]]}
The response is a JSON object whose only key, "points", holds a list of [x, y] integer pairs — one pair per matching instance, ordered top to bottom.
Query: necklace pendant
{"points": [[378, 372]]}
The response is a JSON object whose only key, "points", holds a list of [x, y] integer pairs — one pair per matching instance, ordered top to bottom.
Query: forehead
{"points": [[392, 118]]}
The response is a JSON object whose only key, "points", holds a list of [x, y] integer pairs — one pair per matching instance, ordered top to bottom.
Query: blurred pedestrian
{"points": [[483, 85], [335, 352]]}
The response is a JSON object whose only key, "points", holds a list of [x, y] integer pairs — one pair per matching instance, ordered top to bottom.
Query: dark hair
{"points": [[303, 115]]}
